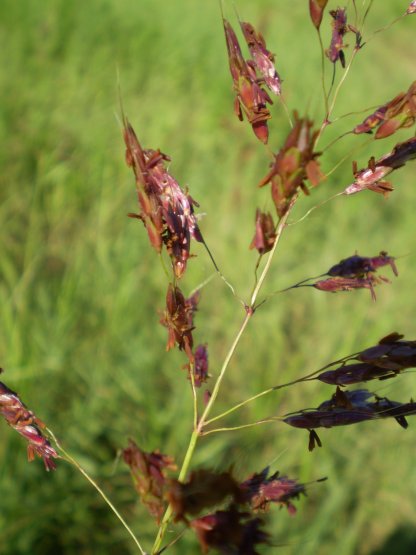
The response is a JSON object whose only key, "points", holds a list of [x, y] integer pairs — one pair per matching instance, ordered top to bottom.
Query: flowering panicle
{"points": [[412, 8], [339, 29], [251, 99], [395, 114], [293, 165], [373, 176], [167, 212], [265, 234], [356, 266], [354, 272], [335, 284], [391, 352], [385, 360], [356, 373], [349, 407], [28, 425], [149, 475], [203, 490], [261, 490], [230, 531]]}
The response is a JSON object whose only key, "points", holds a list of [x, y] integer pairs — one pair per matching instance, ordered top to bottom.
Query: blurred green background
{"points": [[80, 288]]}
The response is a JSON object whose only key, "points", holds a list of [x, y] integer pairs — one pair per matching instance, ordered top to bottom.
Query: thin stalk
{"points": [[385, 27], [341, 82], [326, 97], [334, 99], [286, 109], [335, 140], [345, 158], [314, 208], [256, 268], [224, 279], [202, 285], [308, 377], [194, 396], [239, 405], [234, 428], [196, 433], [71, 459], [178, 537]]}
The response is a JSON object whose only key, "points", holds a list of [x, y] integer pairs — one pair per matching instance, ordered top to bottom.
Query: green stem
{"points": [[341, 82], [194, 396], [197, 432], [168, 514]]}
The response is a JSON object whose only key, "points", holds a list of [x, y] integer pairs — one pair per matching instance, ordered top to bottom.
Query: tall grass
{"points": [[79, 336]]}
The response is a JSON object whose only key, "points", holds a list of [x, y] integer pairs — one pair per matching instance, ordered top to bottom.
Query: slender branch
{"points": [[385, 28], [341, 82], [326, 96], [334, 99], [286, 109], [329, 145], [345, 158], [314, 208], [224, 279], [202, 285], [308, 377], [194, 397], [234, 428], [75, 463], [178, 537]]}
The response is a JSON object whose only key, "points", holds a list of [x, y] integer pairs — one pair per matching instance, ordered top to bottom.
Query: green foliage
{"points": [[80, 289]]}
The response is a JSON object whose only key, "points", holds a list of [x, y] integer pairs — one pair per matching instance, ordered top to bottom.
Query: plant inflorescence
{"points": [[224, 510]]}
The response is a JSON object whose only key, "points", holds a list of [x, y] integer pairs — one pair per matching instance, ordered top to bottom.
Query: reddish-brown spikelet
{"points": [[412, 8], [316, 11], [339, 29], [263, 59], [250, 97], [396, 114], [293, 165], [372, 177], [166, 210], [265, 234], [358, 266], [335, 284], [178, 319], [391, 353], [201, 365], [356, 373], [349, 407], [28, 425], [149, 475], [203, 490], [261, 490], [230, 531]]}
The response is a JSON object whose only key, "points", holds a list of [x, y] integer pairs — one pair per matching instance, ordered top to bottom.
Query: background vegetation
{"points": [[80, 288]]}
